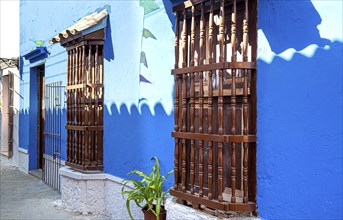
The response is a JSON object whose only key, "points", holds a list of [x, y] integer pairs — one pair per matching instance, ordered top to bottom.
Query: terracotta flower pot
{"points": [[149, 215]]}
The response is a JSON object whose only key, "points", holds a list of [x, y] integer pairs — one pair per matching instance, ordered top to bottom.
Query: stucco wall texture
{"points": [[299, 150], [299, 163]]}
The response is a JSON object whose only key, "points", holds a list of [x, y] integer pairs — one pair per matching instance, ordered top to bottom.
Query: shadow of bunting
{"points": [[215, 104]]}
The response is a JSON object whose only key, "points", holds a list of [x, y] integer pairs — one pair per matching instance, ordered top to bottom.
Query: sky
{"points": [[9, 24], [9, 28]]}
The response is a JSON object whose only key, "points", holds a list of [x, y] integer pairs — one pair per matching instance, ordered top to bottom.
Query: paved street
{"points": [[23, 196]]}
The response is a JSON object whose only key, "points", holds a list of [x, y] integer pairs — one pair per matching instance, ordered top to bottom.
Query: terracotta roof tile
{"points": [[82, 24]]}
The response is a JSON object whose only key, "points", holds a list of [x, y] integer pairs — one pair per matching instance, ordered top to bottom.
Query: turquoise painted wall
{"points": [[299, 158]]}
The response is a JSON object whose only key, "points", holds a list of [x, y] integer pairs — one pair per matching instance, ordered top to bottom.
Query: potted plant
{"points": [[147, 193]]}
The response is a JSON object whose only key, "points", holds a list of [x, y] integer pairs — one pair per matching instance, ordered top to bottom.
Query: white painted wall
{"points": [[9, 48], [4, 116]]}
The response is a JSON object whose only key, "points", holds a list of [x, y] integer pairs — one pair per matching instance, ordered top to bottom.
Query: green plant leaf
{"points": [[147, 34], [157, 166], [139, 173], [168, 174], [149, 189], [128, 208], [158, 208]]}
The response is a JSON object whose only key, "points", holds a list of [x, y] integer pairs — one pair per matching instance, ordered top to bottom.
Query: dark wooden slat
{"points": [[252, 6], [82, 43], [215, 66], [90, 67], [83, 73], [95, 85], [78, 97], [184, 100], [201, 100], [192, 101], [220, 102], [210, 103], [233, 104], [245, 104], [96, 105], [176, 105], [68, 108], [101, 110], [84, 128], [215, 137], [240, 138], [73, 147], [85, 168], [214, 204], [239, 207]]}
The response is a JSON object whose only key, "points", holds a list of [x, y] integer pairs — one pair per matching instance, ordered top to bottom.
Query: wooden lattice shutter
{"points": [[85, 95], [215, 104]]}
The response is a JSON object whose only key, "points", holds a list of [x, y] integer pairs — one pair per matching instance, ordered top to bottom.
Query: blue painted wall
{"points": [[138, 98], [299, 111], [299, 158]]}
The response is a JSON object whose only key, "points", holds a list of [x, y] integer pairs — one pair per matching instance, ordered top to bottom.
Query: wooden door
{"points": [[10, 113], [40, 116]]}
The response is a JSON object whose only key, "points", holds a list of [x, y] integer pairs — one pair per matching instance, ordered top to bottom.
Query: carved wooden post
{"points": [[83, 73], [78, 94], [184, 99], [201, 100], [192, 102], [220, 102], [176, 104], [233, 104], [245, 104], [76, 105], [96, 106], [210, 106], [101, 107], [68, 108], [73, 108], [90, 151]]}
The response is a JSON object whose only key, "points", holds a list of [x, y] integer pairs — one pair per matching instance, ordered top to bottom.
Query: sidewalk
{"points": [[23, 196]]}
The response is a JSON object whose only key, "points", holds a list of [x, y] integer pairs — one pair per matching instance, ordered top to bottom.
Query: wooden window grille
{"points": [[85, 95], [215, 104]]}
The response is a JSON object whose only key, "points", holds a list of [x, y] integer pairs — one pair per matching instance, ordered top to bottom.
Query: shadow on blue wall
{"points": [[168, 5], [290, 24], [108, 45], [21, 64], [299, 118], [24, 123], [131, 139], [28, 140]]}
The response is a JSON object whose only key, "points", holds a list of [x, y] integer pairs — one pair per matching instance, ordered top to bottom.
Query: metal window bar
{"points": [[52, 134]]}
